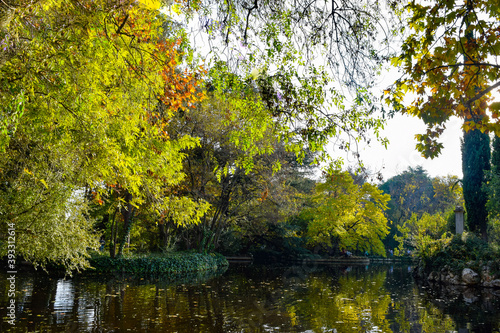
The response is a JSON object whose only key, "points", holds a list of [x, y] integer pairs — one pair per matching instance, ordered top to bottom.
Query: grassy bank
{"points": [[157, 264]]}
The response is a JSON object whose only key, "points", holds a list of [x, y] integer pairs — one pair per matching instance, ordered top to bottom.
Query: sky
{"points": [[401, 152]]}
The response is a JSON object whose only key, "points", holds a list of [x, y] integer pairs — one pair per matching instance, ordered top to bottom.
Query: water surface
{"points": [[304, 298]]}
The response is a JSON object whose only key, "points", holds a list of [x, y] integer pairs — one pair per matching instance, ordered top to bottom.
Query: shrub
{"points": [[466, 250], [159, 264]]}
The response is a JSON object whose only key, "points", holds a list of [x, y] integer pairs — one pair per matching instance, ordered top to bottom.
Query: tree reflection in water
{"points": [[307, 298]]}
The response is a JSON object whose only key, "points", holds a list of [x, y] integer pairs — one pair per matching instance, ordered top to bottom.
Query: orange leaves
{"points": [[182, 88], [264, 195], [96, 197]]}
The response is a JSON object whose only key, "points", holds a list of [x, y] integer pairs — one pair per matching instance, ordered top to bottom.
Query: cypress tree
{"points": [[476, 153], [475, 163], [493, 204]]}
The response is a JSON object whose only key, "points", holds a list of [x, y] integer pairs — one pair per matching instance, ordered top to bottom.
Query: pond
{"points": [[304, 298]]}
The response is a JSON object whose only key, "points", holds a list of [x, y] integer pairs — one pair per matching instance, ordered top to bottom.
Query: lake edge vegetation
{"points": [[152, 150]]}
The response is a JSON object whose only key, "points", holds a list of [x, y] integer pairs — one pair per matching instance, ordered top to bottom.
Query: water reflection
{"points": [[306, 298]]}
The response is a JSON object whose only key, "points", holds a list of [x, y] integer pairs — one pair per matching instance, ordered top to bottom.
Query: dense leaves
{"points": [[302, 54], [449, 61], [71, 135], [475, 165], [494, 182], [413, 194], [348, 215], [424, 235], [159, 265]]}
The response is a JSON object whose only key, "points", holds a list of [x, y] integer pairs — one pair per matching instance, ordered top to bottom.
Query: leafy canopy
{"points": [[301, 54], [450, 65], [87, 89], [348, 213]]}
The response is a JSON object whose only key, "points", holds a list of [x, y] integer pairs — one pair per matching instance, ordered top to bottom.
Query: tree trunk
{"points": [[127, 214], [112, 238]]}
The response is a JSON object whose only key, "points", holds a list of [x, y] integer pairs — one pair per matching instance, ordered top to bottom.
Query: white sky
{"points": [[401, 152]]}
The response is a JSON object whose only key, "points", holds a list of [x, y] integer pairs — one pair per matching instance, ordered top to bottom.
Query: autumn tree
{"points": [[305, 56], [449, 60], [70, 134], [240, 163], [347, 215]]}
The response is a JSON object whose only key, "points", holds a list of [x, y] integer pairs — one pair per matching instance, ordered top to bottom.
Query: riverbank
{"points": [[351, 260], [465, 260], [481, 274]]}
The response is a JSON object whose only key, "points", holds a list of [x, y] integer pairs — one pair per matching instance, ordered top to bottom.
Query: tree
{"points": [[278, 44], [449, 60], [73, 134], [475, 165], [239, 167], [493, 191], [413, 194], [448, 194], [493, 204], [348, 215], [424, 234]]}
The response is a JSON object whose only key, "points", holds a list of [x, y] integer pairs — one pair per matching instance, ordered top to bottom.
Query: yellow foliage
{"points": [[349, 214]]}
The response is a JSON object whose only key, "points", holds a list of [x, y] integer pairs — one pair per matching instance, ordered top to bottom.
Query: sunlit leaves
{"points": [[301, 54], [450, 65], [87, 89], [348, 213], [425, 234]]}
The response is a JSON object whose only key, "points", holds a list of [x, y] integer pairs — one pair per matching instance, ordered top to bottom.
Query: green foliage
{"points": [[272, 47], [449, 62], [69, 135], [475, 165], [242, 167], [493, 187], [493, 191], [413, 192], [348, 215], [494, 233], [424, 235], [460, 251], [157, 265]]}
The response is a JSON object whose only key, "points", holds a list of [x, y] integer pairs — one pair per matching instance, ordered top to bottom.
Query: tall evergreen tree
{"points": [[475, 161], [493, 204]]}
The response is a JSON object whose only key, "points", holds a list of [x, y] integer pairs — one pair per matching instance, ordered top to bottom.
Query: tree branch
{"points": [[255, 6], [122, 25], [462, 64], [482, 93]]}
